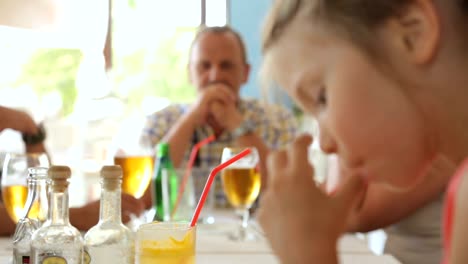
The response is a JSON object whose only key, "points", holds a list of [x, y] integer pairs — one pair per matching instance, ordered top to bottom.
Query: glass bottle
{"points": [[165, 184], [35, 212], [57, 241], [109, 241]]}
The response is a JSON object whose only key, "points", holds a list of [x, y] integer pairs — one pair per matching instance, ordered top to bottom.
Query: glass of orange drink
{"points": [[165, 242]]}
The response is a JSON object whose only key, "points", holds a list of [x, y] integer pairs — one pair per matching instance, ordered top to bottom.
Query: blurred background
{"points": [[104, 65], [92, 89]]}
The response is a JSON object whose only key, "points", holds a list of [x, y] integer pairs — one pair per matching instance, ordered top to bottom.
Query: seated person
{"points": [[217, 69], [388, 86], [83, 217]]}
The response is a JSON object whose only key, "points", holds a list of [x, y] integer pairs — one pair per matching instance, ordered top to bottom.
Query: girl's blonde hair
{"points": [[353, 19]]}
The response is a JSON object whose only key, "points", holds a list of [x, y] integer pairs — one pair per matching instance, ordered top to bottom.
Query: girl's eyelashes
{"points": [[310, 91], [321, 97], [313, 98]]}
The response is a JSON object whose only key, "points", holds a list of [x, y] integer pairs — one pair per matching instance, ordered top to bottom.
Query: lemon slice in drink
{"points": [[54, 260]]}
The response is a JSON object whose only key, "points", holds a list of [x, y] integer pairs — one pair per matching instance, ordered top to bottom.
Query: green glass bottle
{"points": [[165, 184]]}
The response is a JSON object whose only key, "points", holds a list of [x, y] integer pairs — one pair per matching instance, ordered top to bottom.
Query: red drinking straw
{"points": [[193, 156], [210, 179]]}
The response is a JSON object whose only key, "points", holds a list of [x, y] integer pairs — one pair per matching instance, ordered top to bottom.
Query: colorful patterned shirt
{"points": [[275, 125]]}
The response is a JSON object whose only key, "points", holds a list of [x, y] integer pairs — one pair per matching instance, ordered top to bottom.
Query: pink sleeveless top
{"points": [[449, 209]]}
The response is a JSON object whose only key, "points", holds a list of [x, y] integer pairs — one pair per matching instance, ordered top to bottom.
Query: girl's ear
{"points": [[415, 33]]}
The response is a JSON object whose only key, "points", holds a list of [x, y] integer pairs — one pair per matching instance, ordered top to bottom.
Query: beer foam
{"points": [[240, 164], [14, 181]]}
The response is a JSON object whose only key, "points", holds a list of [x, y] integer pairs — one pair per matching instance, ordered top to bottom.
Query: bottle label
{"points": [[86, 257], [25, 260], [54, 260]]}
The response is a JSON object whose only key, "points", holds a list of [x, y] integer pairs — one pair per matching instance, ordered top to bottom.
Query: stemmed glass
{"points": [[136, 158], [137, 172], [14, 180], [241, 184]]}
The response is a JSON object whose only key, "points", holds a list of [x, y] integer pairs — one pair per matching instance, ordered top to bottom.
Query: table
{"points": [[214, 246]]}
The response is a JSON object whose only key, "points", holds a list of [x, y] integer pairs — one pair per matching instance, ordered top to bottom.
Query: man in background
{"points": [[217, 69]]}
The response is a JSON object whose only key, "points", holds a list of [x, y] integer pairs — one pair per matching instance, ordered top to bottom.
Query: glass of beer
{"points": [[136, 157], [137, 172], [14, 180], [241, 184], [165, 242]]}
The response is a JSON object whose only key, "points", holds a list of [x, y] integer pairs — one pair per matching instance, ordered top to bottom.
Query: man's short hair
{"points": [[220, 30]]}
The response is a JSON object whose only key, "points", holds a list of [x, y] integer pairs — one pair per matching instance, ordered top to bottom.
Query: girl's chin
{"points": [[393, 184], [396, 188]]}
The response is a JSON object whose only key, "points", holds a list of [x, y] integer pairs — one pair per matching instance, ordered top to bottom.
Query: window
{"points": [[150, 40], [60, 78]]}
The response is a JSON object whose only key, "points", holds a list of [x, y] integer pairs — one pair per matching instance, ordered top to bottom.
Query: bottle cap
{"points": [[162, 149], [59, 172], [111, 172], [59, 176], [111, 177]]}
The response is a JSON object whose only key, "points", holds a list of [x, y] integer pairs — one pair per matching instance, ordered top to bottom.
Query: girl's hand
{"points": [[301, 222]]}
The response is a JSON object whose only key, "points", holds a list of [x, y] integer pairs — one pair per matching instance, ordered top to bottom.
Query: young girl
{"points": [[387, 83]]}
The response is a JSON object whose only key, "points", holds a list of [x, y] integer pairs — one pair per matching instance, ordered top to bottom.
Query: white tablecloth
{"points": [[214, 246], [265, 258]]}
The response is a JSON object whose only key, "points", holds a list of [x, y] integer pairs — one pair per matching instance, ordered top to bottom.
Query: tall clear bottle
{"points": [[165, 184], [35, 213], [57, 241], [109, 241]]}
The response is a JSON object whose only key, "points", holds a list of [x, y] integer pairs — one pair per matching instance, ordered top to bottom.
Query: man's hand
{"points": [[200, 111], [226, 115], [17, 120], [22, 123]]}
